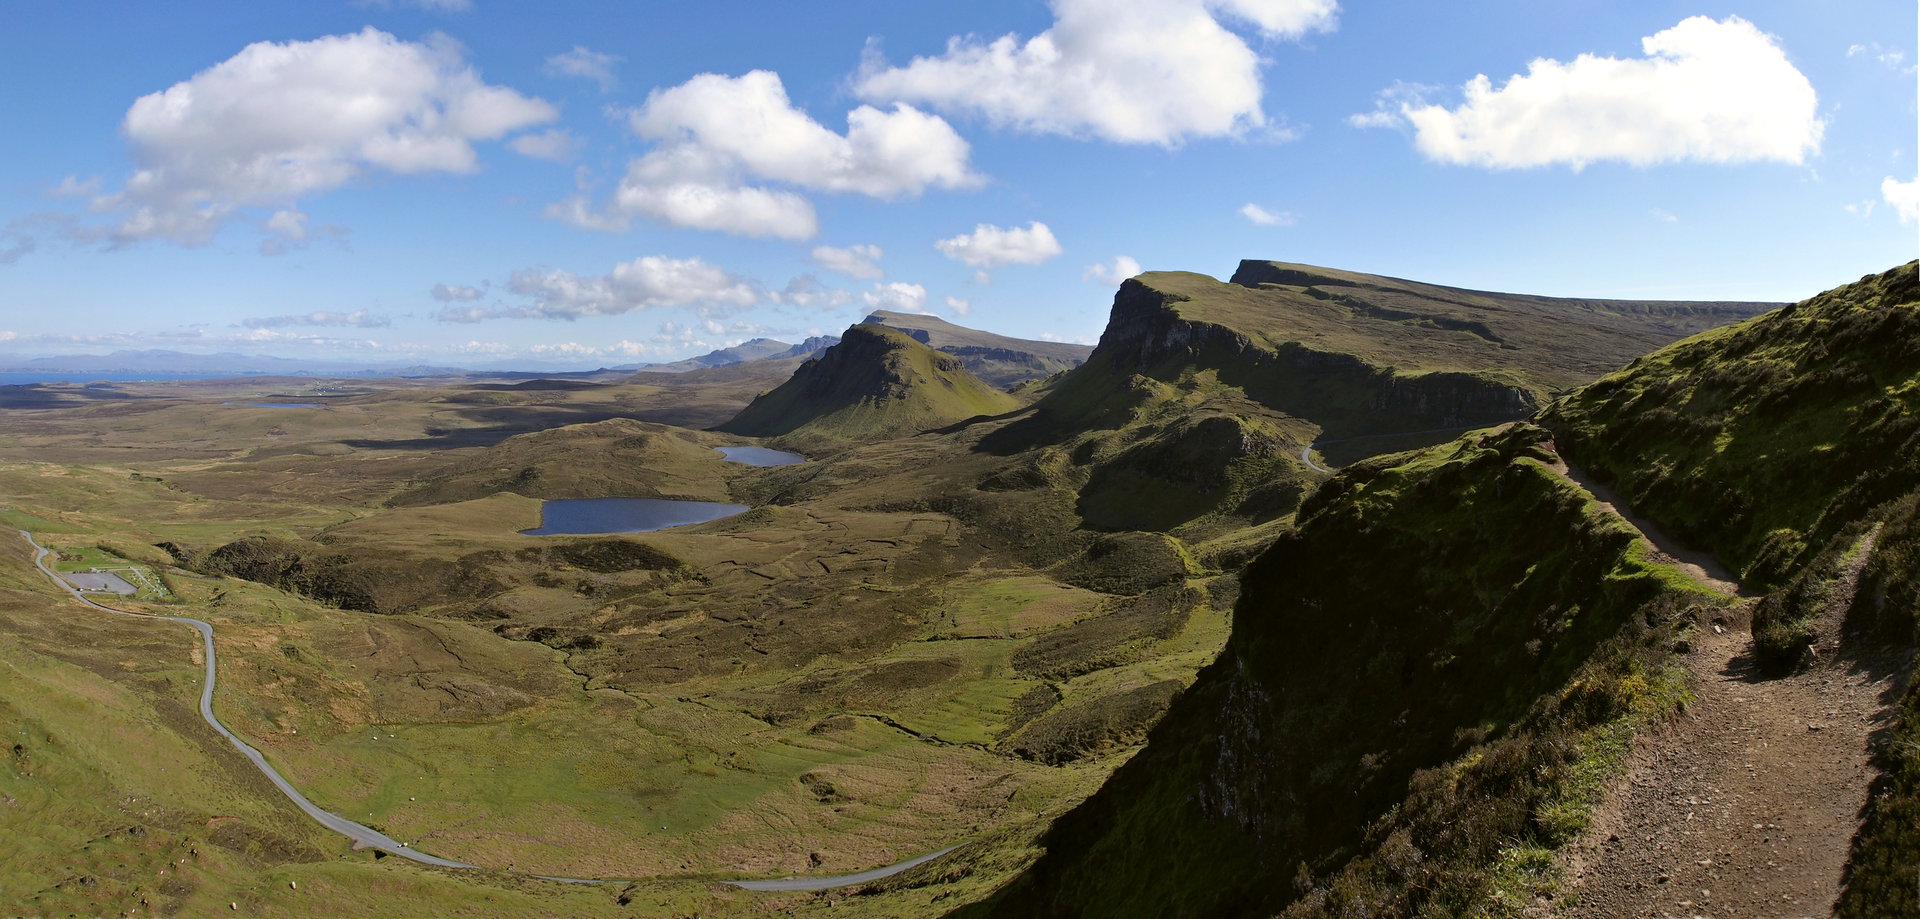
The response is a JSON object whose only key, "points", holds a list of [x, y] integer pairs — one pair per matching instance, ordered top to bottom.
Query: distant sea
{"points": [[122, 376]]}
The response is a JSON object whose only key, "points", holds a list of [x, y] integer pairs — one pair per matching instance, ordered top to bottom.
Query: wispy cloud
{"points": [[587, 64], [1267, 218], [1121, 268], [644, 283], [359, 319]]}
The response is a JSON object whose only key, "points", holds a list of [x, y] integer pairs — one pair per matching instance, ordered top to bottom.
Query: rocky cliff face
{"points": [[1146, 328], [1147, 331], [1455, 399]]}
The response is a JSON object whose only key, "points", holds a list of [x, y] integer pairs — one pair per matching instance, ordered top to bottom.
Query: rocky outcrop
{"points": [[1146, 328], [1148, 334], [1455, 399]]}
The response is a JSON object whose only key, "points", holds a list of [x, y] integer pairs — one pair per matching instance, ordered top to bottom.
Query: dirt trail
{"points": [[1747, 804]]}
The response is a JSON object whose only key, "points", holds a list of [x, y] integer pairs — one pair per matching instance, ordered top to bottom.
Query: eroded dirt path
{"points": [[1747, 804]]}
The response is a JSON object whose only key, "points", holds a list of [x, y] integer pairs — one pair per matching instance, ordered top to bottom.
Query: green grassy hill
{"points": [[1001, 360], [877, 383], [1195, 407], [1777, 444], [615, 458], [1456, 618], [1432, 675]]}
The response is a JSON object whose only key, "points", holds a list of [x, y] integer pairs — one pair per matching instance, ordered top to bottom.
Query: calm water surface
{"points": [[277, 404], [760, 456], [625, 515]]}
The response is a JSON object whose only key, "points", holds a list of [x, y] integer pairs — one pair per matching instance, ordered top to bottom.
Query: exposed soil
{"points": [[1747, 804]]}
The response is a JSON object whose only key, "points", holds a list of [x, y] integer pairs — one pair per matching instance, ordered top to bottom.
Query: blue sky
{"points": [[572, 184]]}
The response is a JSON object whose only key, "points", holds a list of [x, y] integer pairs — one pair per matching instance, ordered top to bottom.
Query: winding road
{"points": [[1306, 456], [362, 835], [371, 838]]}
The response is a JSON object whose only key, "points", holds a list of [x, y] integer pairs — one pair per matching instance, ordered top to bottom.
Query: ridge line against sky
{"points": [[485, 183]]}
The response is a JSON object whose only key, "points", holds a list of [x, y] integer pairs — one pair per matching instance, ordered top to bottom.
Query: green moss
{"points": [[1760, 442], [1458, 622], [1883, 871]]}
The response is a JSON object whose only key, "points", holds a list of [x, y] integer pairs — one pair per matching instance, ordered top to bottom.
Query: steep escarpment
{"points": [[1356, 355], [877, 383], [1459, 621], [1436, 675]]}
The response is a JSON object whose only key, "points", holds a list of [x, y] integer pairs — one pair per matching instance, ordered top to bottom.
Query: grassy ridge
{"points": [[1761, 441], [1784, 445], [1452, 617], [1883, 872]]}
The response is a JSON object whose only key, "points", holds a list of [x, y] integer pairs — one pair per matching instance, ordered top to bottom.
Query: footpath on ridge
{"points": [[1746, 805]]}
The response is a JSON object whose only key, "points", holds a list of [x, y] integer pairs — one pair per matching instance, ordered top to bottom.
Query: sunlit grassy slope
{"points": [[998, 360], [877, 383], [1777, 444], [1459, 618], [937, 630], [1431, 678]]}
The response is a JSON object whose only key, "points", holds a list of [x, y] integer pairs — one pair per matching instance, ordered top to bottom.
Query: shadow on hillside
{"points": [[493, 425]]}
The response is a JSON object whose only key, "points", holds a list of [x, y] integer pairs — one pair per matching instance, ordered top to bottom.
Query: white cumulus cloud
{"points": [[587, 64], [1132, 71], [1707, 91], [280, 121], [720, 139], [1903, 196], [989, 246], [856, 261], [1121, 268], [646, 282], [897, 296], [958, 306]]}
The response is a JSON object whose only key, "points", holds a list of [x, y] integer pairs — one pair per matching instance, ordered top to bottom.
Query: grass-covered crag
{"points": [[1460, 619]]}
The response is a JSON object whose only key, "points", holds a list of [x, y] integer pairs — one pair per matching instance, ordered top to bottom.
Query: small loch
{"points": [[277, 404], [760, 456], [578, 516]]}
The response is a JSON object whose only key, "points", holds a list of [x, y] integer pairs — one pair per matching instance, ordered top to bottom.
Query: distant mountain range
{"points": [[759, 349], [1000, 360], [225, 363]]}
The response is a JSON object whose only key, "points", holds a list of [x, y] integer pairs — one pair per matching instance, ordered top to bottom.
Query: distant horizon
{"points": [[471, 183], [11, 365]]}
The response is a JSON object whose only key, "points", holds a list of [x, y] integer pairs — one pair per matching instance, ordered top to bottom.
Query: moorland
{"points": [[1104, 620]]}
